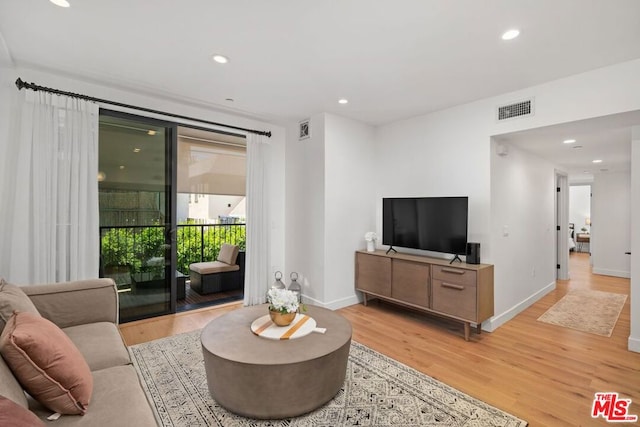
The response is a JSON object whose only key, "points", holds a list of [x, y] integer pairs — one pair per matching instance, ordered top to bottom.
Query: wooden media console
{"points": [[463, 292]]}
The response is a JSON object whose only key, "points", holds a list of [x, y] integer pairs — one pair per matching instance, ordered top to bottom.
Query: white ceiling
{"points": [[290, 59]]}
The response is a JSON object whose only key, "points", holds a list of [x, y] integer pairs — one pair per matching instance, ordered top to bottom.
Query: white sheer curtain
{"points": [[258, 221], [51, 230]]}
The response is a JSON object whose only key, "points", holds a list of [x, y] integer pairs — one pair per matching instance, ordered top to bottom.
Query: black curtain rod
{"points": [[23, 85]]}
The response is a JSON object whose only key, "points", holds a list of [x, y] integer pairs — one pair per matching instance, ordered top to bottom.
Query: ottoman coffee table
{"points": [[264, 378]]}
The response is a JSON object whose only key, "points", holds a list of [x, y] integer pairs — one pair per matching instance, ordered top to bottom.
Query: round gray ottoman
{"points": [[270, 379]]}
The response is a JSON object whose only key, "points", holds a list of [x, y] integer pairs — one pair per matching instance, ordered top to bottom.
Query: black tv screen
{"points": [[437, 224]]}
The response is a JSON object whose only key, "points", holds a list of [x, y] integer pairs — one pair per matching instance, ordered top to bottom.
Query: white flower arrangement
{"points": [[370, 236], [282, 300]]}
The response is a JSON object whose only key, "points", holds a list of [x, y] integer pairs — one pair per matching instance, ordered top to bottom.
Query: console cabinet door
{"points": [[373, 274], [410, 282], [455, 292]]}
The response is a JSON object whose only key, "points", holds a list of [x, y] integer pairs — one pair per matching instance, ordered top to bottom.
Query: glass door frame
{"points": [[170, 227]]}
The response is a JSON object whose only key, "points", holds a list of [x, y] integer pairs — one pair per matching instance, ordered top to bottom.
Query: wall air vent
{"points": [[515, 110], [304, 129]]}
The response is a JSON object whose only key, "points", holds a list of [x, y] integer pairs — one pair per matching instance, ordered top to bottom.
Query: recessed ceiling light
{"points": [[61, 3], [511, 34], [220, 59], [229, 99], [343, 101], [568, 141], [577, 146], [136, 150], [596, 161], [121, 166]]}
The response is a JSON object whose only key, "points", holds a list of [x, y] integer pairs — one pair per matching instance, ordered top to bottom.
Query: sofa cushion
{"points": [[228, 253], [212, 267], [12, 298], [77, 302], [100, 343], [47, 363], [9, 385], [118, 400], [14, 415]]}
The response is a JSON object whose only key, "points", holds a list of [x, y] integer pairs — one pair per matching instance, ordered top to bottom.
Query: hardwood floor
{"points": [[542, 373]]}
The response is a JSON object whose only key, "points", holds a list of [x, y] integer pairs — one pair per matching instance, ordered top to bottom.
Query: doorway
{"points": [[169, 196], [211, 207], [580, 216]]}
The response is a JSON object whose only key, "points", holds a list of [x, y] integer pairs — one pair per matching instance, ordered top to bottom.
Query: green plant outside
{"points": [[134, 248]]}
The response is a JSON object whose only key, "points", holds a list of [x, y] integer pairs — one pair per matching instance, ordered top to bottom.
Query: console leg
{"points": [[365, 299], [479, 328], [467, 330]]}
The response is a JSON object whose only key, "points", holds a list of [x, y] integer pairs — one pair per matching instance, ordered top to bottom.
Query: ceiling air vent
{"points": [[517, 109]]}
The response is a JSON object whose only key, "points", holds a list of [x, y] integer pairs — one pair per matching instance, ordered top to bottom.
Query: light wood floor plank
{"points": [[542, 373]]}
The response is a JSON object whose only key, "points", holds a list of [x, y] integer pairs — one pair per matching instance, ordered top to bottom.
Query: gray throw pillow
{"points": [[12, 298]]}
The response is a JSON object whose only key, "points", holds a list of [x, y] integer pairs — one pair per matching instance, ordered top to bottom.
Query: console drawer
{"points": [[454, 275], [455, 299]]}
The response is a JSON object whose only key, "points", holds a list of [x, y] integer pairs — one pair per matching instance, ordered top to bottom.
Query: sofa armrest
{"points": [[76, 303]]}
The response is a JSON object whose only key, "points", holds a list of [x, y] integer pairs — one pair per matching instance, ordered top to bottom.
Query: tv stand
{"points": [[394, 251], [457, 257], [463, 292]]}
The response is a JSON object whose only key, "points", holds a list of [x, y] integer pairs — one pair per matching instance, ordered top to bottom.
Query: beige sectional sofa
{"points": [[87, 312]]}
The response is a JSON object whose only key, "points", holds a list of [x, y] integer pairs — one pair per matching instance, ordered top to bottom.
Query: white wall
{"points": [[185, 108], [441, 154], [350, 203], [330, 204], [579, 206], [305, 207], [522, 223], [611, 224], [634, 337]]}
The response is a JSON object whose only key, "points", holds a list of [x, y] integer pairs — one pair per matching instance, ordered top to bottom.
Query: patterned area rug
{"points": [[595, 312], [378, 391]]}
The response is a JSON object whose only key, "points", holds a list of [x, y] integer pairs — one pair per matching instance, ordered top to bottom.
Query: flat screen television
{"points": [[437, 224]]}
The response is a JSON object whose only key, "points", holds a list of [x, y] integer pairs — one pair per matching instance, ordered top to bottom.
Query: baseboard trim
{"points": [[615, 273], [332, 305], [496, 321], [634, 344]]}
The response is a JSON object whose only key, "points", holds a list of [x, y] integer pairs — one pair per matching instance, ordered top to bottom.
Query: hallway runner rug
{"points": [[595, 312], [378, 391]]}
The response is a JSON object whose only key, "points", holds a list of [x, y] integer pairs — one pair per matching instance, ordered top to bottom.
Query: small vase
{"points": [[371, 246], [282, 319]]}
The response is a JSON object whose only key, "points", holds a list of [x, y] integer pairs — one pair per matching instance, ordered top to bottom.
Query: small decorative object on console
{"points": [[371, 238], [278, 284], [295, 287], [283, 306]]}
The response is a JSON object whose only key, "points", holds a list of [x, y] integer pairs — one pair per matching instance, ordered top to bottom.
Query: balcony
{"points": [[134, 254]]}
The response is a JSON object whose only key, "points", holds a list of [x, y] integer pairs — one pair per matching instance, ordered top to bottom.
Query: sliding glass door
{"points": [[137, 206]]}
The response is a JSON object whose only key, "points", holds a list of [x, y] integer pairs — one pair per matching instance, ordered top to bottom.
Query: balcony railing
{"points": [[132, 249]]}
